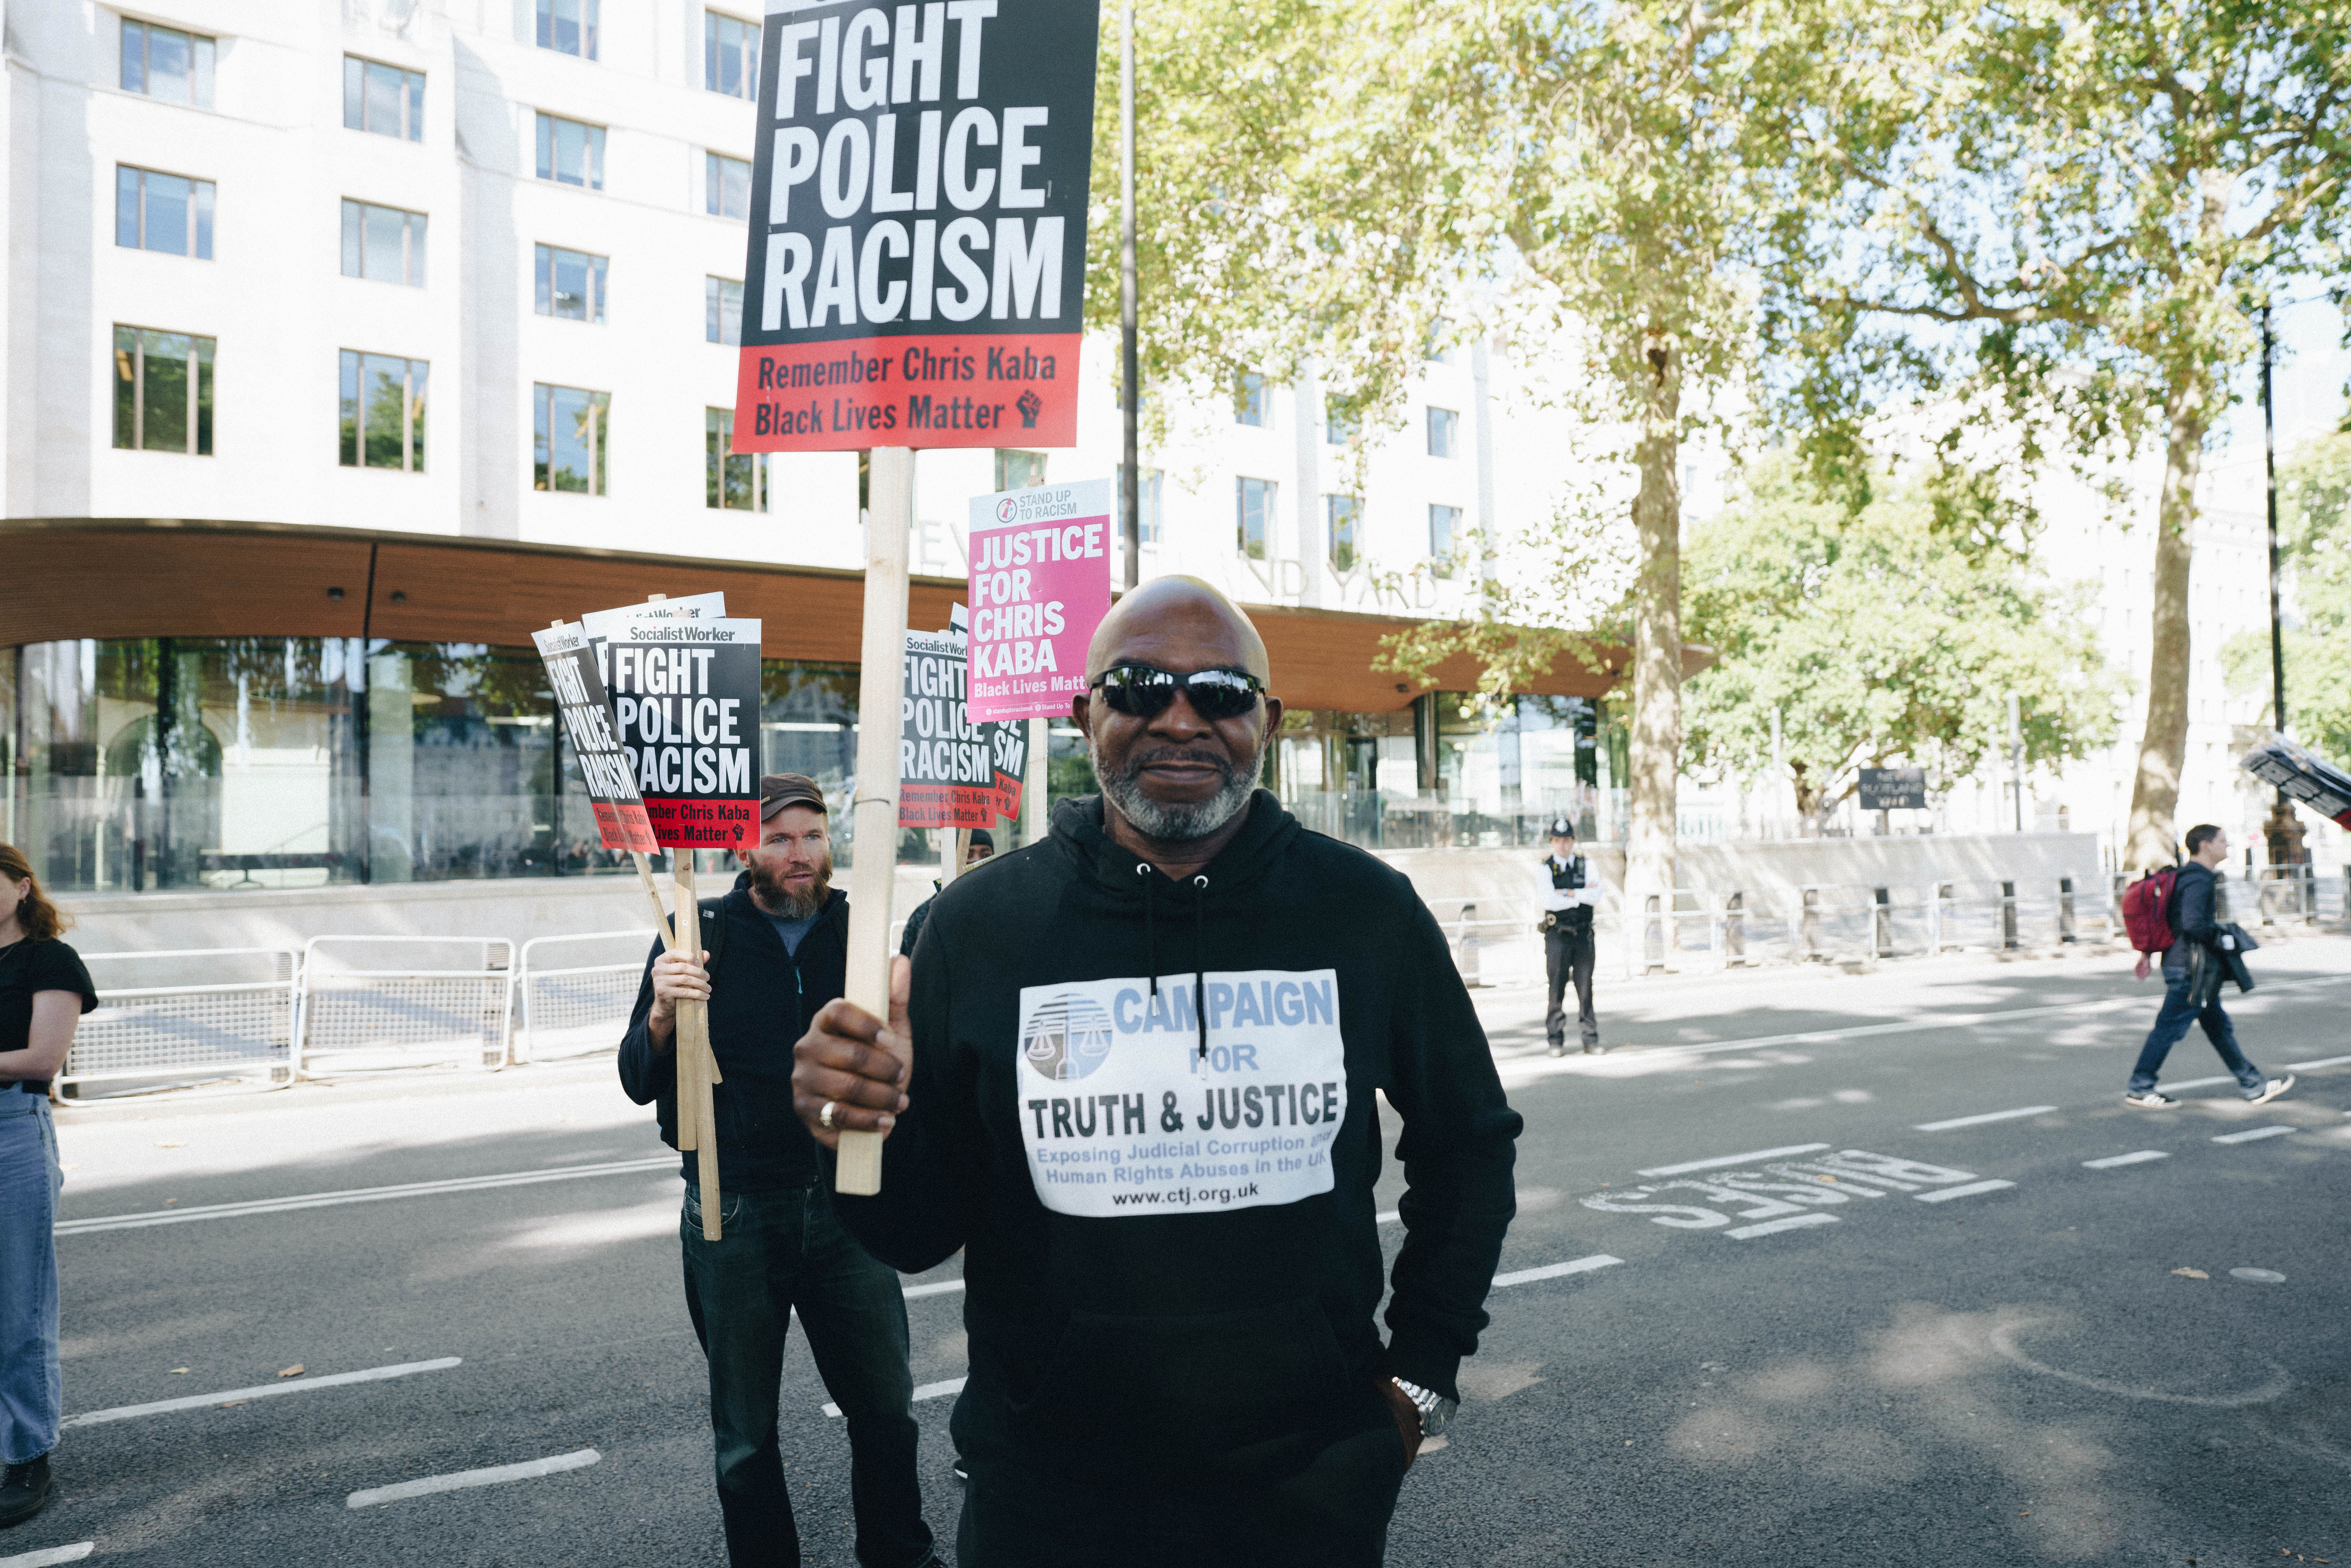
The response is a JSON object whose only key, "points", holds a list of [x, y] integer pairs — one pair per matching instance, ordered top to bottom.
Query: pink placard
{"points": [[1040, 587]]}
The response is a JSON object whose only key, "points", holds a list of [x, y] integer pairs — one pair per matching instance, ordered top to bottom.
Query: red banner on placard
{"points": [[945, 390]]}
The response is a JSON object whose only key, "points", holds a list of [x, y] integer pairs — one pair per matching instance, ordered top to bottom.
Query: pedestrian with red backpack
{"points": [[2176, 912]]}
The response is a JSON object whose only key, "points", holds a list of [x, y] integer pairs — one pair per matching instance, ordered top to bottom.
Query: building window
{"points": [[567, 26], [730, 56], [165, 63], [382, 99], [570, 153], [727, 186], [163, 212], [383, 244], [570, 283], [722, 311], [1438, 349], [162, 391], [1249, 405], [384, 412], [1339, 422], [569, 429], [1443, 432], [1019, 470], [732, 481], [1147, 492], [1253, 507], [1343, 521], [1444, 538]]}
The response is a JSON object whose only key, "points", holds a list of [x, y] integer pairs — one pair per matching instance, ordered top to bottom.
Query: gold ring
{"points": [[824, 1117]]}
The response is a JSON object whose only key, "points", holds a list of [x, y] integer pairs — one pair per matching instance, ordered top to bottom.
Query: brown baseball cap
{"points": [[778, 791]]}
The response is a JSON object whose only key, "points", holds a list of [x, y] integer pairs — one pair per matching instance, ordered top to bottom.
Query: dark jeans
{"points": [[1567, 954], [2171, 1027], [784, 1251], [1332, 1514]]}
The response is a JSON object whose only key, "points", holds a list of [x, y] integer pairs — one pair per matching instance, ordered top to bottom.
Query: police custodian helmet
{"points": [[1562, 827]]}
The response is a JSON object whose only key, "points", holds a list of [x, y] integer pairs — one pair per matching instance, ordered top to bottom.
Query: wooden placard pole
{"points": [[880, 686], [697, 1068]]}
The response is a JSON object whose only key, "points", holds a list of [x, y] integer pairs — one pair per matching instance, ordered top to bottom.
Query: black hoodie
{"points": [[762, 998], [1173, 1258]]}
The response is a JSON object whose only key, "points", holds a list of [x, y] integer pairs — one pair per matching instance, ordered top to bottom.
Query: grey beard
{"points": [[1177, 824]]}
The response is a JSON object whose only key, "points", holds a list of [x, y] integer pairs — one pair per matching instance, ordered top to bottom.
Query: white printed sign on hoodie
{"points": [[1122, 1115]]}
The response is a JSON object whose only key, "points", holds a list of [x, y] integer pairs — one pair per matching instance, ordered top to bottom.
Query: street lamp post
{"points": [[1130, 476], [2283, 829]]}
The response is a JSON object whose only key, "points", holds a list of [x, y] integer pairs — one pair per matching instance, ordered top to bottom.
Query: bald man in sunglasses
{"points": [[1129, 1073]]}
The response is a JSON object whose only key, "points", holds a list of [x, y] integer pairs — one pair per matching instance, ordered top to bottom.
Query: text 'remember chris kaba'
{"points": [[920, 267]]}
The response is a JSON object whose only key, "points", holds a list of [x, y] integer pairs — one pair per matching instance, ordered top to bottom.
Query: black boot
{"points": [[24, 1491]]}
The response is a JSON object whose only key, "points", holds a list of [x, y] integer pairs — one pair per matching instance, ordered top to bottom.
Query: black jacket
{"points": [[2194, 913], [762, 998], [1188, 1264]]}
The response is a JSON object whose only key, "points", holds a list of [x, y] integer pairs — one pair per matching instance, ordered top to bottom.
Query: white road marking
{"points": [[2322, 1061], [1987, 1116], [2252, 1134], [2138, 1158], [1730, 1160], [1942, 1194], [357, 1195], [1792, 1222], [1554, 1271], [2252, 1275], [267, 1391], [921, 1391], [459, 1480], [50, 1555]]}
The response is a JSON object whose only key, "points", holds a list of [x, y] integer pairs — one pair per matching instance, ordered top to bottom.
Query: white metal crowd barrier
{"points": [[1496, 944], [574, 994], [364, 1011], [210, 1015]]}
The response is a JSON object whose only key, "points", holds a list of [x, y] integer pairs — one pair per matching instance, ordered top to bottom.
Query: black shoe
{"points": [[24, 1491]]}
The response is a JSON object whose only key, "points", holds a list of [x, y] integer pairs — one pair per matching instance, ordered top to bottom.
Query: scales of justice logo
{"points": [[1066, 1038]]}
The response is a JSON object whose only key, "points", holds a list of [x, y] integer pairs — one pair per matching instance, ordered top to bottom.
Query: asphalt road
{"points": [[1832, 1363]]}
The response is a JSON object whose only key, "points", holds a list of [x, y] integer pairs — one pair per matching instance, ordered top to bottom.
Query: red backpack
{"points": [[2147, 910]]}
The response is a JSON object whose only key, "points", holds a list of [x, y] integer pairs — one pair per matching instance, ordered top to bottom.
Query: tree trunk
{"points": [[1656, 737], [2163, 747]]}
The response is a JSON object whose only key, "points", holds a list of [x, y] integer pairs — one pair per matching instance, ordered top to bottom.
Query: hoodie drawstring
{"points": [[1150, 931], [1199, 946], [1201, 959]]}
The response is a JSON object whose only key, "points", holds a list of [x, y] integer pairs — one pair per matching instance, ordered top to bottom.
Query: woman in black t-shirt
{"points": [[44, 991]]}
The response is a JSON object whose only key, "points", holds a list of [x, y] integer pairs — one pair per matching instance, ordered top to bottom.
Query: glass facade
{"points": [[157, 764], [1452, 770]]}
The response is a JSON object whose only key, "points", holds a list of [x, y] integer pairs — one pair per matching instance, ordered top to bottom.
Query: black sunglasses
{"points": [[1142, 691]]}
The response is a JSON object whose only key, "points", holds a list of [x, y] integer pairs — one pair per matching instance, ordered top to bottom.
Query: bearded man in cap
{"points": [[775, 950]]}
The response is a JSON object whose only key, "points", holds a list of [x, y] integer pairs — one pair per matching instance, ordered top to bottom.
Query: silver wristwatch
{"points": [[1436, 1409]]}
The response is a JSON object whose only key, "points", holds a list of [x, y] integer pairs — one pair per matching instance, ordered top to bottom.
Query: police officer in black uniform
{"points": [[1570, 893]]}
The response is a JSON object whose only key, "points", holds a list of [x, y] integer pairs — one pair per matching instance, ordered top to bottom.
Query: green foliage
{"points": [[2050, 220], [2314, 553], [1882, 641]]}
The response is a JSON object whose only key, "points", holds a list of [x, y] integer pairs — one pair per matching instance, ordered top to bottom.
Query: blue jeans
{"points": [[2171, 1027], [30, 1180], [784, 1251]]}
